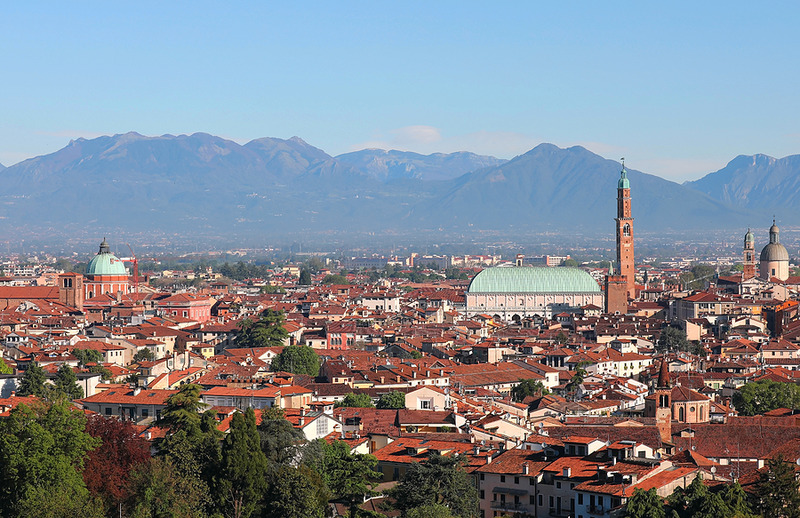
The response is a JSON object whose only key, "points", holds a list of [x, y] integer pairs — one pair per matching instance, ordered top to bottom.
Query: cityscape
{"points": [[444, 294]]}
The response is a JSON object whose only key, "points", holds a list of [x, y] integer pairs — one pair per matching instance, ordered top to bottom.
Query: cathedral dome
{"points": [[774, 252], [105, 263]]}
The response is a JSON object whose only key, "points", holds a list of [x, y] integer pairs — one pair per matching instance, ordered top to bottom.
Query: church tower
{"points": [[625, 232], [749, 258]]}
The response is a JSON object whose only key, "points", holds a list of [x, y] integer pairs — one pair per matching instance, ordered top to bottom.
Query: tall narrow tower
{"points": [[625, 232], [749, 258]]}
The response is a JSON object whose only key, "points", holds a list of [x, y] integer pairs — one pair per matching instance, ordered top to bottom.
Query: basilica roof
{"points": [[533, 279]]}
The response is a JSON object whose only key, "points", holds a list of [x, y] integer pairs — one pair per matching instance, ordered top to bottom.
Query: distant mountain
{"points": [[401, 165], [757, 182], [202, 185], [572, 189]]}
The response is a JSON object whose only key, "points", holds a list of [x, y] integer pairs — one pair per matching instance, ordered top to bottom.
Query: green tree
{"points": [[570, 262], [305, 278], [334, 279], [270, 289], [267, 331], [673, 339], [144, 355], [86, 356], [297, 359], [4, 368], [33, 382], [67, 383], [528, 387], [762, 396], [394, 399], [360, 400], [280, 441], [42, 453], [243, 474], [348, 475], [438, 480], [157, 490], [777, 491], [293, 493], [736, 500], [689, 502], [644, 504], [430, 511]]}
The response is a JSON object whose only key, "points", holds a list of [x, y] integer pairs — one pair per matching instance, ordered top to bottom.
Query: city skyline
{"points": [[678, 91]]}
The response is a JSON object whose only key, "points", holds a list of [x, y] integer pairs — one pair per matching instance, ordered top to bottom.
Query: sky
{"points": [[677, 88]]}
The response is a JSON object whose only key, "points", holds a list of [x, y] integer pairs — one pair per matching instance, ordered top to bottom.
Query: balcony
{"points": [[510, 506], [563, 513]]}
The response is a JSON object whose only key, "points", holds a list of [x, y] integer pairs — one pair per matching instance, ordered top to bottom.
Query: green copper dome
{"points": [[623, 179], [748, 238], [105, 263], [533, 279]]}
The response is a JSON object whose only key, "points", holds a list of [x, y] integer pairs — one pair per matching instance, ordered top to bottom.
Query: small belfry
{"points": [[624, 221], [749, 256]]}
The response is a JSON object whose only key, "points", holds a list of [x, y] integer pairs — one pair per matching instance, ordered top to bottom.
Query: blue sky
{"points": [[678, 88]]}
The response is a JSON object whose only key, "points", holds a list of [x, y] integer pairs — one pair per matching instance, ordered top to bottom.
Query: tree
{"points": [[570, 262], [305, 278], [334, 279], [267, 331], [673, 339], [144, 355], [87, 356], [297, 359], [4, 368], [104, 372], [32, 382], [67, 383], [528, 387], [762, 396], [360, 400], [394, 400], [280, 441], [42, 453], [108, 467], [348, 475], [242, 477], [438, 480], [156, 489], [777, 490], [293, 493], [736, 500], [689, 502], [644, 504], [430, 511]]}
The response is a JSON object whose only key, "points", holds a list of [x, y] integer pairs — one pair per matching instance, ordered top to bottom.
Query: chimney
{"points": [[414, 374], [382, 380], [137, 391], [302, 420], [148, 435], [476, 450], [489, 459], [526, 468], [567, 472]]}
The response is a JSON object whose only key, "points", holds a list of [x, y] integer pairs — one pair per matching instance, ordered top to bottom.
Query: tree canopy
{"points": [[267, 331], [86, 356], [297, 359], [33, 382], [528, 387], [762, 396], [359, 400], [394, 400], [438, 480], [777, 492]]}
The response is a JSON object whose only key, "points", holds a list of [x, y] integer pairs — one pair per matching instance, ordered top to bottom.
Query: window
{"points": [[626, 230], [108, 410], [145, 412], [482, 477], [502, 478], [516, 480], [558, 485], [482, 496], [580, 498], [540, 500], [531, 501]]}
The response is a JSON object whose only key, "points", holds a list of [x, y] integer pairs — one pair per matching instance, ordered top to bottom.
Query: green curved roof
{"points": [[623, 183], [105, 263], [523, 279]]}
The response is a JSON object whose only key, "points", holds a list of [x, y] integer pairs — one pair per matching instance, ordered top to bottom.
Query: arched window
{"points": [[626, 230], [681, 414]]}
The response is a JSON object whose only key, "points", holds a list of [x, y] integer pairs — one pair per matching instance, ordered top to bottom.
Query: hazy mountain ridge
{"points": [[402, 165], [757, 182], [202, 184]]}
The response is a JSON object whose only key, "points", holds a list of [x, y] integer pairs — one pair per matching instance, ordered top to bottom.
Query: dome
{"points": [[623, 183], [748, 238], [774, 252], [105, 263], [533, 279]]}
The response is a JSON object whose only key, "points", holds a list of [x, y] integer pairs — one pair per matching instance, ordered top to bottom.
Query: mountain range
{"points": [[201, 185]]}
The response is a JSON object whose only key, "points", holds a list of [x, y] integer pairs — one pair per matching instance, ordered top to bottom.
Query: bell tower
{"points": [[624, 222], [749, 257]]}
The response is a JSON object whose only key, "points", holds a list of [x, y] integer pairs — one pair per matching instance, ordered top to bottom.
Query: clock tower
{"points": [[624, 222]]}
